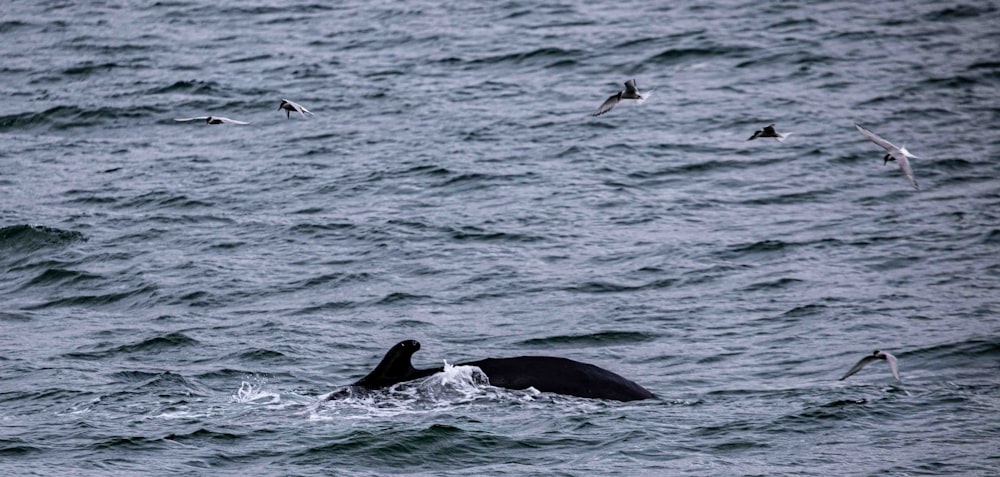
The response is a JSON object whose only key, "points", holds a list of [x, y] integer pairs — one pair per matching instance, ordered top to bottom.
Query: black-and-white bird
{"points": [[631, 92], [290, 106], [212, 120], [769, 131], [898, 154], [875, 356]]}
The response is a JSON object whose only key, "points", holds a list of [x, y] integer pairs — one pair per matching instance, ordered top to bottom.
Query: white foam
{"points": [[453, 386]]}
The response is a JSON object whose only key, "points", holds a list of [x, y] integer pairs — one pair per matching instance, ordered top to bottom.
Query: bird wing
{"points": [[630, 87], [607, 105], [297, 107], [184, 120], [231, 121], [888, 146], [904, 165], [892, 365], [857, 367]]}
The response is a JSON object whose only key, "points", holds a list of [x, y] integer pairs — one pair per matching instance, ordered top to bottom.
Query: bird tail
{"points": [[645, 96], [782, 136]]}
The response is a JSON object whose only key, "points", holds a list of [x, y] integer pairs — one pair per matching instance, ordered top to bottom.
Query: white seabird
{"points": [[630, 93], [290, 106], [212, 120], [769, 131], [898, 154], [877, 355]]}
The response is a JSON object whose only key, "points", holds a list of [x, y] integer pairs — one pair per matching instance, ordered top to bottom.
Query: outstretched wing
{"points": [[608, 105], [297, 107], [184, 120], [232, 121], [888, 146], [904, 165], [892, 365], [857, 367]]}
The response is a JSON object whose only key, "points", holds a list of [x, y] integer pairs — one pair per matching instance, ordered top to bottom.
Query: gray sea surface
{"points": [[179, 298]]}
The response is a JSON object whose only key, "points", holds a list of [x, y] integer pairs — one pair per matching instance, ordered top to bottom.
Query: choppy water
{"points": [[176, 298]]}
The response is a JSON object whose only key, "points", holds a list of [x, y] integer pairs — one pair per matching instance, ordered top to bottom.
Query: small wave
{"points": [[958, 12], [793, 24], [13, 25], [637, 42], [673, 56], [545, 57], [985, 65], [88, 67], [949, 82], [190, 87], [67, 117], [698, 167], [793, 198], [163, 200], [319, 230], [478, 234], [34, 237], [991, 238], [764, 246], [60, 276], [331, 278], [772, 284], [606, 287], [136, 294], [398, 297], [805, 310], [8, 316], [604, 338], [169, 341], [976, 349], [259, 355], [160, 382], [137, 443], [144, 443], [16, 448]]}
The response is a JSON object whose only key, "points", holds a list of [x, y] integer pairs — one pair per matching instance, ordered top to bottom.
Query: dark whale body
{"points": [[544, 373]]}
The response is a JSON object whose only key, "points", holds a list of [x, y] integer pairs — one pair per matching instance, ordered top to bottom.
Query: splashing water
{"points": [[255, 393]]}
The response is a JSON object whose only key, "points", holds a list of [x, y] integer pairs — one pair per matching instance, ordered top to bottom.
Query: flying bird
{"points": [[630, 93], [290, 106], [212, 120], [769, 131], [898, 154], [875, 356]]}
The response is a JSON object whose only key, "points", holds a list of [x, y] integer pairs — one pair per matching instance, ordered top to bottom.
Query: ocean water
{"points": [[178, 298]]}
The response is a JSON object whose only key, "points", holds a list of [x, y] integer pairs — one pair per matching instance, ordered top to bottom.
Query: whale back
{"points": [[544, 373], [560, 376]]}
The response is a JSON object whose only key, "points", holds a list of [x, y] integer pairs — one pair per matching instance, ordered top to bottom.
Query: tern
{"points": [[630, 93], [290, 106], [212, 120], [769, 132], [898, 154], [877, 355]]}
